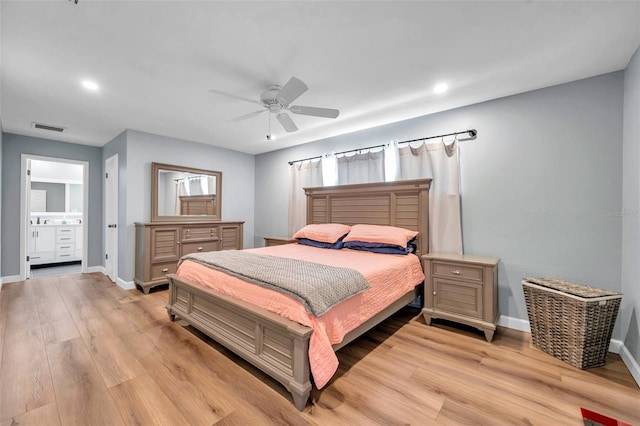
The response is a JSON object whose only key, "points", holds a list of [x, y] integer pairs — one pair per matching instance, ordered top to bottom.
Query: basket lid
{"points": [[572, 288]]}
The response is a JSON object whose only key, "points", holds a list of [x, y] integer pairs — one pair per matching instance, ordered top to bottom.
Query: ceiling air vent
{"points": [[49, 127]]}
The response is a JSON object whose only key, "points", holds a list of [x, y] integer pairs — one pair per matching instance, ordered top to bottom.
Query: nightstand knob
{"points": [[199, 248], [165, 270], [456, 272], [434, 293]]}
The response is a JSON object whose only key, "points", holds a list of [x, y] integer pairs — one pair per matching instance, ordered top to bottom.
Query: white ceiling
{"points": [[376, 62]]}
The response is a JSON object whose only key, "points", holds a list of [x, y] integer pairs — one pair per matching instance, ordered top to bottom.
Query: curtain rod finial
{"points": [[473, 133]]}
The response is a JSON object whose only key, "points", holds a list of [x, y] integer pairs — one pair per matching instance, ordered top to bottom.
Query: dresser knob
{"points": [[199, 248], [165, 270], [456, 272], [434, 293]]}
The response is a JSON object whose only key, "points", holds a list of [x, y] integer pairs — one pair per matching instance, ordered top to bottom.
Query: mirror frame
{"points": [[155, 170]]}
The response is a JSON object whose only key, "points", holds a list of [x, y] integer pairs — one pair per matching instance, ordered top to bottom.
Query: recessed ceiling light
{"points": [[90, 85], [440, 88]]}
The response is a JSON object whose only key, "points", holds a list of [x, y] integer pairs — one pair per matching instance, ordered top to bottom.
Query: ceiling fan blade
{"points": [[291, 91], [231, 95], [316, 112], [247, 116], [286, 122]]}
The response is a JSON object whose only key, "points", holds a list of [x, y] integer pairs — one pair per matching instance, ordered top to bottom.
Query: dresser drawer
{"points": [[199, 233], [197, 247], [159, 270], [454, 270]]}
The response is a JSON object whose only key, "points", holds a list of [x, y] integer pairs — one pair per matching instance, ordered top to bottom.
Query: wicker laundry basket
{"points": [[570, 321]]}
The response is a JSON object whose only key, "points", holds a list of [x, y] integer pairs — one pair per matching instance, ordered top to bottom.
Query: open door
{"points": [[111, 217], [28, 231]]}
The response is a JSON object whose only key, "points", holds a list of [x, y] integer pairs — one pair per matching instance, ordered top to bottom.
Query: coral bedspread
{"points": [[390, 277]]}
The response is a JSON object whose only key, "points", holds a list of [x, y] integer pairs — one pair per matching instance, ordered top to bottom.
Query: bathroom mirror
{"points": [[184, 193]]}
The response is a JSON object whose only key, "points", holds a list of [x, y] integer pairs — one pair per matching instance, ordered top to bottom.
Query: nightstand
{"points": [[277, 241], [461, 288]]}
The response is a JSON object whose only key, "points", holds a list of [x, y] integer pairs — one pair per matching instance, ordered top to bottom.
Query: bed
{"points": [[280, 346]]}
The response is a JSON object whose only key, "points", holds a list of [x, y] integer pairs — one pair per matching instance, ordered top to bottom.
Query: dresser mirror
{"points": [[184, 193]]}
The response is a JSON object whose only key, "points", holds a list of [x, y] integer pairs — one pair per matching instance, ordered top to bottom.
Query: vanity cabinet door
{"points": [[45, 239]]}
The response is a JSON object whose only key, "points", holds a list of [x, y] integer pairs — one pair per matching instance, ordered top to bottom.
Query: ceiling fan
{"points": [[277, 101]]}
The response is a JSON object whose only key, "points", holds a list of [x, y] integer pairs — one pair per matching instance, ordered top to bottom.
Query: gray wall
{"points": [[13, 147], [144, 148], [540, 184], [55, 195], [631, 210]]}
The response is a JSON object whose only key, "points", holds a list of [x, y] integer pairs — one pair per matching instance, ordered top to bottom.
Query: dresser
{"points": [[159, 246], [463, 289]]}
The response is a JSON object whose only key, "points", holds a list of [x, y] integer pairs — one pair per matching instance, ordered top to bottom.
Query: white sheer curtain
{"points": [[439, 162], [361, 168], [301, 175], [195, 185], [211, 187], [181, 189]]}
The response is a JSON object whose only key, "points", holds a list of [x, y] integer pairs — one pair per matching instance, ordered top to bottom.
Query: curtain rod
{"points": [[472, 134], [189, 177]]}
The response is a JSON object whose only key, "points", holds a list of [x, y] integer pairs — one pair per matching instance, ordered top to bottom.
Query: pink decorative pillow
{"points": [[323, 232], [381, 234]]}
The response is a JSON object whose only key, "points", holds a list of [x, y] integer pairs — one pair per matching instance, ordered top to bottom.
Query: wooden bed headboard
{"points": [[404, 204]]}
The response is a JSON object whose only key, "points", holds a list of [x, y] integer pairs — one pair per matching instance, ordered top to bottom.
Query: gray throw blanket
{"points": [[317, 286]]}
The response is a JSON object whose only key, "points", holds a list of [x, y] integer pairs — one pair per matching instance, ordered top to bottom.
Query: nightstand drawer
{"points": [[277, 241], [453, 270], [458, 297]]}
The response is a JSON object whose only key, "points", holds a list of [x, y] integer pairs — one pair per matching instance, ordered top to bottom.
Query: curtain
{"points": [[439, 162], [361, 168], [301, 175], [195, 185], [181, 189]]}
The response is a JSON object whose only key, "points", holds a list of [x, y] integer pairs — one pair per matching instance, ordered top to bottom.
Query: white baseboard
{"points": [[92, 269], [10, 279], [125, 285], [514, 323], [615, 346], [630, 362]]}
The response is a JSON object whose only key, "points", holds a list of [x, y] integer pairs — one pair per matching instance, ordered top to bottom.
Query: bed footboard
{"points": [[275, 345]]}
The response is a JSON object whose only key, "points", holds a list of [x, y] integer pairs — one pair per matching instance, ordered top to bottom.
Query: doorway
{"points": [[54, 205]]}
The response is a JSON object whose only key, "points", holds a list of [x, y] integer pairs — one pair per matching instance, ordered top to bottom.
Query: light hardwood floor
{"points": [[79, 350]]}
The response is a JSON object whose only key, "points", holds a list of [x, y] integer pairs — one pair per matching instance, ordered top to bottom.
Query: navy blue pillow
{"points": [[308, 242], [381, 247]]}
